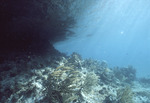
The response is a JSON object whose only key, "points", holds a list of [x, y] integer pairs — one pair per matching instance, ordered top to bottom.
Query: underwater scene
{"points": [[75, 51]]}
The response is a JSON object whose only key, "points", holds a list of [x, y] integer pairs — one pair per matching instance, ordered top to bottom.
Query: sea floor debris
{"points": [[70, 80]]}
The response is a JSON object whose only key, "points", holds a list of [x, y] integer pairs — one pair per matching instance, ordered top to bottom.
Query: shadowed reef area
{"points": [[33, 26]]}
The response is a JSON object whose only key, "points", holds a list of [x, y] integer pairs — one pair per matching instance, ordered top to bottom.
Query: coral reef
{"points": [[125, 74], [70, 79], [145, 80], [90, 81], [64, 84], [125, 95]]}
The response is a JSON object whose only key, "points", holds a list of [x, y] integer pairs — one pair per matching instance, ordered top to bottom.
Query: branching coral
{"points": [[75, 60], [92, 65], [125, 74], [91, 80], [64, 83], [125, 95]]}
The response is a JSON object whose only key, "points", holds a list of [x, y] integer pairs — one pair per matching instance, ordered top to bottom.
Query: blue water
{"points": [[117, 31]]}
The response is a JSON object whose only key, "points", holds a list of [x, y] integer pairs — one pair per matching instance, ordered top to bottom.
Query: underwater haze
{"points": [[117, 31]]}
